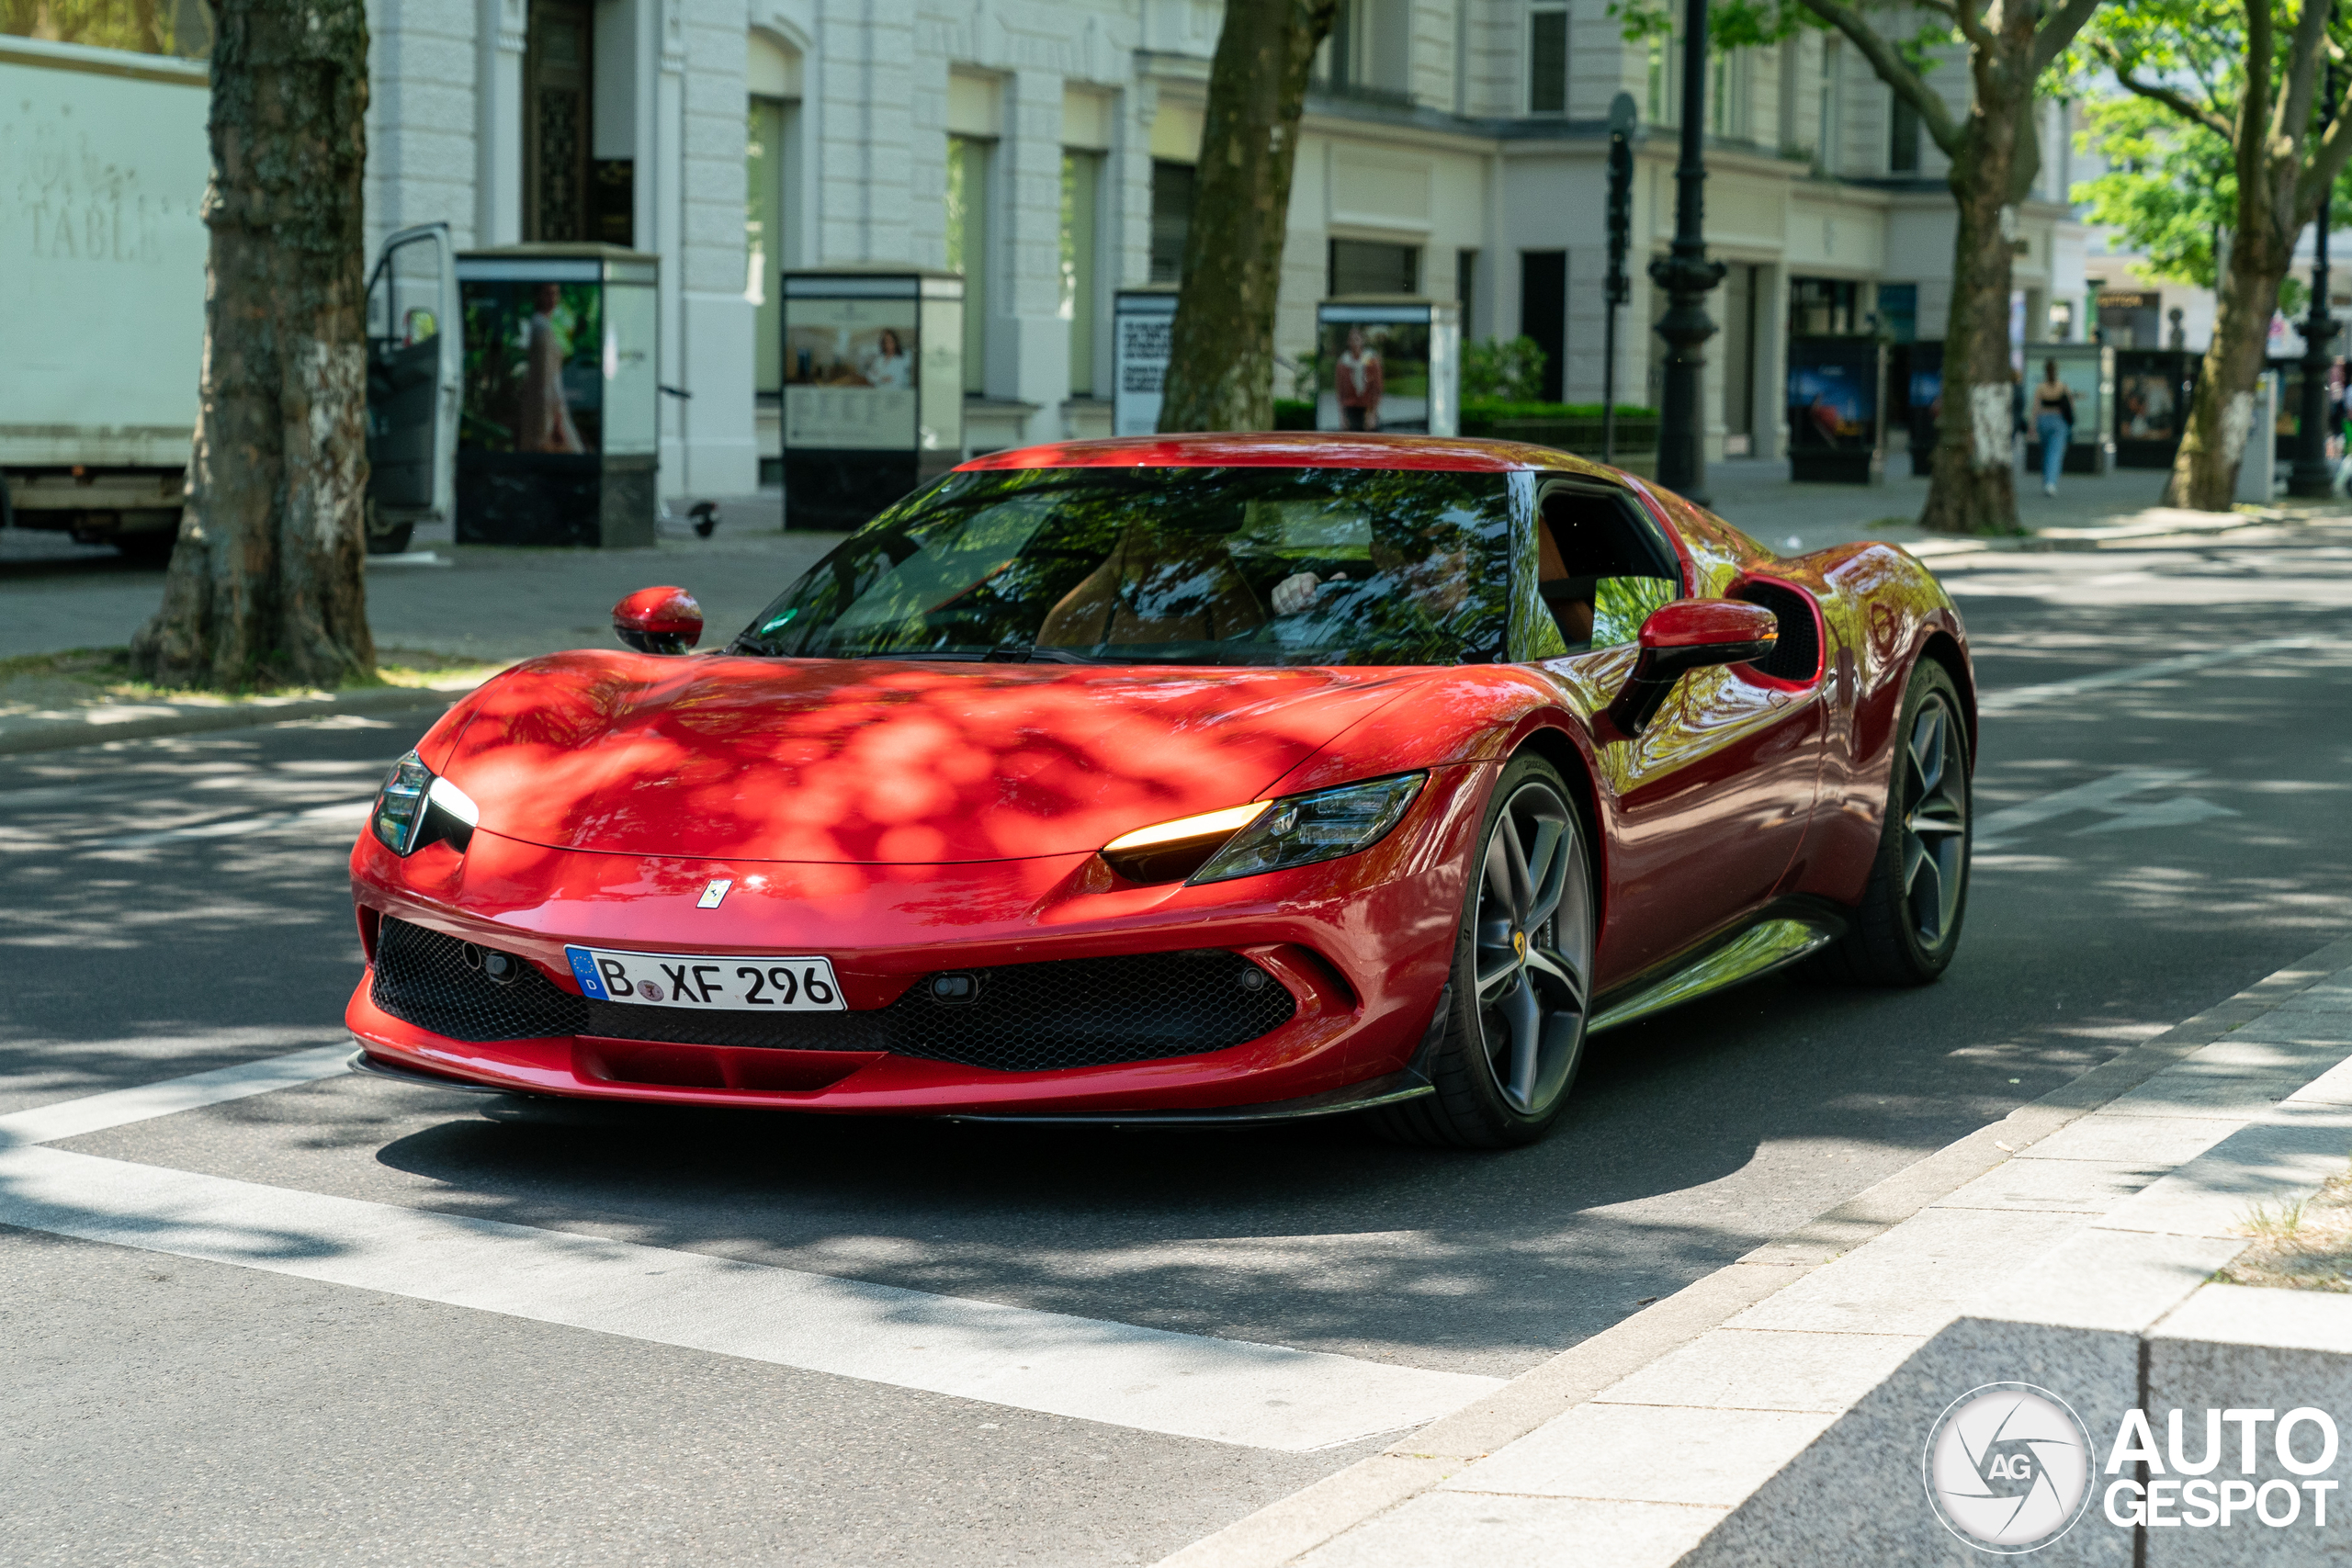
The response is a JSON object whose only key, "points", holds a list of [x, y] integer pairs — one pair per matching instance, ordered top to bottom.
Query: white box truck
{"points": [[103, 159]]}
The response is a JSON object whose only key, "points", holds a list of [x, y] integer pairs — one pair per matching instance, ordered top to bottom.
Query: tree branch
{"points": [[1972, 26], [2059, 32], [2155, 92], [2294, 106], [1934, 113], [2326, 162]]}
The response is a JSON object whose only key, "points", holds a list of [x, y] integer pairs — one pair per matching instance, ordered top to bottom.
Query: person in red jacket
{"points": [[1358, 379]]}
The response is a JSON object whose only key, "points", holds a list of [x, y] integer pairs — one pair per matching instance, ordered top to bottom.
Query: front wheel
{"points": [[1906, 927], [1522, 975]]}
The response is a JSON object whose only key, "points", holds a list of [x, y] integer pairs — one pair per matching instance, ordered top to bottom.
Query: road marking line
{"points": [[2027, 696], [1995, 828], [116, 1108], [1225, 1391]]}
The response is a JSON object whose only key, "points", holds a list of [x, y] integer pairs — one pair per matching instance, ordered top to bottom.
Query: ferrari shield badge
{"points": [[713, 892]]}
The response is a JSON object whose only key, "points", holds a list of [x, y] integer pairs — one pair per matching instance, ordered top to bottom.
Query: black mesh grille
{"points": [[1797, 655], [422, 977], [1090, 1012], [1024, 1018]]}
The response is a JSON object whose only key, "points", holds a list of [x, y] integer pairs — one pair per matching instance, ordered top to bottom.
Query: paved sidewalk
{"points": [[471, 601], [2136, 1178]]}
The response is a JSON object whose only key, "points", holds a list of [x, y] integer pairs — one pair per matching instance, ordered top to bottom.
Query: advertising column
{"points": [[1388, 363], [873, 390]]}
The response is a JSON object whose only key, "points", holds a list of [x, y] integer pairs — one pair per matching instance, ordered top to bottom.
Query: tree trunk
{"points": [[1221, 351], [2221, 416], [1973, 487], [265, 584]]}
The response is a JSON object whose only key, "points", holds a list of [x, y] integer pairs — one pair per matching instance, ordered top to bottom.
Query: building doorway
{"points": [[559, 119], [1544, 313]]}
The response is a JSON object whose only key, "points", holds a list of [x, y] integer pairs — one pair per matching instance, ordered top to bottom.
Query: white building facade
{"points": [[1452, 148]]}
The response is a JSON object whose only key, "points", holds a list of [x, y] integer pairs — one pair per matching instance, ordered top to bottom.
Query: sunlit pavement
{"points": [[170, 1408]]}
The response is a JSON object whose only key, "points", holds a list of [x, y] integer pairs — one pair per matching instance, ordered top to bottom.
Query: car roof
{"points": [[1293, 449]]}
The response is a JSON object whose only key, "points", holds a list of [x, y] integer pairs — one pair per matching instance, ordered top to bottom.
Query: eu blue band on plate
{"points": [[584, 968]]}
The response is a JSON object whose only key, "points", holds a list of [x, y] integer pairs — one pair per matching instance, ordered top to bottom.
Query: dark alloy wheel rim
{"points": [[1935, 825], [1532, 947]]}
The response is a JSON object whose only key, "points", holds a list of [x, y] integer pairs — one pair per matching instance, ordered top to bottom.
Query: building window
{"points": [[1547, 61], [1727, 95], [1658, 102], [1826, 137], [1903, 137], [1081, 191], [1171, 219], [763, 238], [968, 247], [1366, 267], [1466, 289], [1822, 307], [1898, 311]]}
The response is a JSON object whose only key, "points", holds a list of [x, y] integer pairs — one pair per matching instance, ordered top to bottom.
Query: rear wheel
{"points": [[1906, 927], [1523, 975]]}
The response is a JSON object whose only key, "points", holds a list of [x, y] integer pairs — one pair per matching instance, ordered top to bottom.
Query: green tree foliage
{"points": [[143, 27], [2220, 133], [1988, 134], [2170, 188], [1493, 370]]}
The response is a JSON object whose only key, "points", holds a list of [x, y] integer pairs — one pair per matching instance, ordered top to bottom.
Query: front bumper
{"points": [[1363, 946]]}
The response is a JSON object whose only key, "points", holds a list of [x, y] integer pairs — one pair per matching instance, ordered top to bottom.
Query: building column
{"points": [[498, 128], [716, 319], [1028, 341], [1771, 369]]}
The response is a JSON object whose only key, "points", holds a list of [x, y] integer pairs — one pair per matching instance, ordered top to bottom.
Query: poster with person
{"points": [[850, 373], [1374, 374]]}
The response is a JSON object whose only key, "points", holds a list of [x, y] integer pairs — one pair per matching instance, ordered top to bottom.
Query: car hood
{"points": [[879, 761]]}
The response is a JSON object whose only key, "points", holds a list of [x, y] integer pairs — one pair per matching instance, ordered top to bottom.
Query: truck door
{"points": [[416, 364]]}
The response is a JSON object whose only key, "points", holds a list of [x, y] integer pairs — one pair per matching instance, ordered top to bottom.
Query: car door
{"points": [[416, 365], [1711, 800]]}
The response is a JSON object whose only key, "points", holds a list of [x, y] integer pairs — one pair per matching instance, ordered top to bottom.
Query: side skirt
{"points": [[1781, 936]]}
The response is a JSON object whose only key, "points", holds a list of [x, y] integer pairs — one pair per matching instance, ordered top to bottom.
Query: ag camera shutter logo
{"points": [[2008, 1468]]}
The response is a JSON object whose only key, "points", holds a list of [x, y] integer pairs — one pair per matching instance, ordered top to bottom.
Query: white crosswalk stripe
{"points": [[1181, 1385]]}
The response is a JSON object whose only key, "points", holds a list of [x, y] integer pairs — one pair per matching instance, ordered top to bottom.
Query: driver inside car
{"points": [[1154, 589]]}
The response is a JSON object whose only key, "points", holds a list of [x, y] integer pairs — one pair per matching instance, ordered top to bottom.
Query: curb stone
{"points": [[139, 721], [1284, 1531]]}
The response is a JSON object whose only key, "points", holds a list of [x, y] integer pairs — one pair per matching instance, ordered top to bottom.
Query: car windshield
{"points": [[1166, 566]]}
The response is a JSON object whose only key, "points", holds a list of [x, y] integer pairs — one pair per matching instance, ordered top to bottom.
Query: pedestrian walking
{"points": [[2054, 422]]}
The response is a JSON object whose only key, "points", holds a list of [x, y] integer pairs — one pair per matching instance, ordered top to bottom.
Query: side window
{"points": [[1602, 568]]}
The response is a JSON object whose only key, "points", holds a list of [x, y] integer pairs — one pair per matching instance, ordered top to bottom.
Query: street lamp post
{"points": [[1686, 275], [2313, 474]]}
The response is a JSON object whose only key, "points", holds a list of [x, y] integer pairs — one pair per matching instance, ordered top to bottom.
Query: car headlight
{"points": [[415, 807], [1265, 835]]}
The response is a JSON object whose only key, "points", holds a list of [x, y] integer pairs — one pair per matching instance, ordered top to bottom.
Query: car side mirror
{"points": [[659, 620], [1690, 634]]}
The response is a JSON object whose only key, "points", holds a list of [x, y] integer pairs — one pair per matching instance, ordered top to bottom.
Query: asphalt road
{"points": [[163, 1408]]}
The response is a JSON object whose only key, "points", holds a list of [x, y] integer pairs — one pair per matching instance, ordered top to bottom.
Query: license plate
{"points": [[692, 980]]}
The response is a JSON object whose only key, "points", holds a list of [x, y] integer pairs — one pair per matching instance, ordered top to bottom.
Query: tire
{"points": [[391, 541], [152, 548], [1906, 927], [1505, 1063]]}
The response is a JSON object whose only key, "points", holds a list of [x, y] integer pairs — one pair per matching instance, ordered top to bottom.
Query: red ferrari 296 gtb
{"points": [[1184, 779]]}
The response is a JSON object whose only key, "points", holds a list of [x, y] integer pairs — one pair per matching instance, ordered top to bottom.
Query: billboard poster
{"points": [[1140, 325], [534, 367], [1376, 373], [850, 376], [1833, 394], [2148, 403]]}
